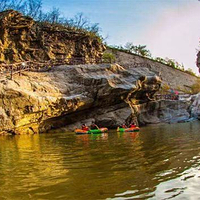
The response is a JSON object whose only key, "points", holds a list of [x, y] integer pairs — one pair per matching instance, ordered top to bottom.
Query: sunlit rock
{"points": [[23, 39], [66, 95]]}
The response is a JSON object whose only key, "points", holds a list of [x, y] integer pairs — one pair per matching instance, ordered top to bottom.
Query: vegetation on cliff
{"points": [[141, 50], [195, 88]]}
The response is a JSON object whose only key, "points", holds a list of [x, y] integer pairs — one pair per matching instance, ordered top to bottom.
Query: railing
{"points": [[8, 70], [172, 96]]}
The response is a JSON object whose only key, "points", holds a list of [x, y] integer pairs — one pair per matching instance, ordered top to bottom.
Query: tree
{"points": [[30, 8], [33, 8], [53, 16], [129, 47], [139, 50], [161, 60], [171, 62]]}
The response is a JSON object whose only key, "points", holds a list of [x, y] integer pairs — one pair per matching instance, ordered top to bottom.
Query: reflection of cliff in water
{"points": [[100, 166]]}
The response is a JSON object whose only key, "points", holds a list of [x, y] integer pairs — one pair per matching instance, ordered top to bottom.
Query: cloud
{"points": [[176, 34]]}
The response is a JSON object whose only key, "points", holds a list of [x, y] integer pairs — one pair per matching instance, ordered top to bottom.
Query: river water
{"points": [[159, 162]]}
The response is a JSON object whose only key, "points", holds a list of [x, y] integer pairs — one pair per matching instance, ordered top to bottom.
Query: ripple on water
{"points": [[161, 162]]}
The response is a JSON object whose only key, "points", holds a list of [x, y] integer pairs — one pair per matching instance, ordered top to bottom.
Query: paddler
{"points": [[132, 125], [93, 126], [123, 126], [84, 127]]}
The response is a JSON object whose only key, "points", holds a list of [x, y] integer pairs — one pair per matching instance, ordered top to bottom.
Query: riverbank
{"points": [[35, 102]]}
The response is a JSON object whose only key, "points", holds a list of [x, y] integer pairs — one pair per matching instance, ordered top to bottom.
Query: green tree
{"points": [[139, 50]]}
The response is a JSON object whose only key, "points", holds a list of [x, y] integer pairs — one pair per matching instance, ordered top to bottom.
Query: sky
{"points": [[169, 28]]}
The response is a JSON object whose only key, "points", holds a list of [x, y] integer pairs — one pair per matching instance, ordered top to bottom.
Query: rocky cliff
{"points": [[23, 39], [175, 78], [109, 94], [69, 95], [165, 111]]}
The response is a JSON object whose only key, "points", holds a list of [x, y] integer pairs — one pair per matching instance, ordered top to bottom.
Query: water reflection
{"points": [[129, 137], [159, 162], [26, 165]]}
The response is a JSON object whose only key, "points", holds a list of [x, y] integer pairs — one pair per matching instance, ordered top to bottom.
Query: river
{"points": [[159, 162]]}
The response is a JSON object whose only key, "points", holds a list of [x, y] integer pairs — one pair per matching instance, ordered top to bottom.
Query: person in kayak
{"points": [[132, 125], [93, 126], [123, 126], [84, 127]]}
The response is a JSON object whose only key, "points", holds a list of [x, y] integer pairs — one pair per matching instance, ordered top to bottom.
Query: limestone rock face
{"points": [[23, 39], [174, 78], [69, 95], [164, 111]]}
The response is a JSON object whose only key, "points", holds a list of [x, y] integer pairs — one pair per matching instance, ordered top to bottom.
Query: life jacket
{"points": [[132, 126], [85, 128]]}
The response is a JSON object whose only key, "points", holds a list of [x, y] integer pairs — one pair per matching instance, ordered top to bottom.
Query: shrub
{"points": [[134, 49], [139, 50], [108, 58], [189, 71], [165, 88], [195, 88]]}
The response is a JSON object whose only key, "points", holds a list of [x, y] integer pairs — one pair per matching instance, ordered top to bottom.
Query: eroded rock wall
{"points": [[23, 39]]}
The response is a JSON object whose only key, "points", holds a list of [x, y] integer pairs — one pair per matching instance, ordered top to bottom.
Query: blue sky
{"points": [[169, 28]]}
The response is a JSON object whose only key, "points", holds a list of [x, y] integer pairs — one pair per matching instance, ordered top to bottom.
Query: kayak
{"points": [[135, 129], [94, 131]]}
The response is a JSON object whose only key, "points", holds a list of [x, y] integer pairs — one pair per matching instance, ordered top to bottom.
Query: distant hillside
{"points": [[23, 39]]}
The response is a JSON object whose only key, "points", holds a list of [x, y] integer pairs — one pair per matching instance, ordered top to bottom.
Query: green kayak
{"points": [[135, 129], [94, 131]]}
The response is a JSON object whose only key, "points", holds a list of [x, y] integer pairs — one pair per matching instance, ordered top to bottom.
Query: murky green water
{"points": [[160, 162]]}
